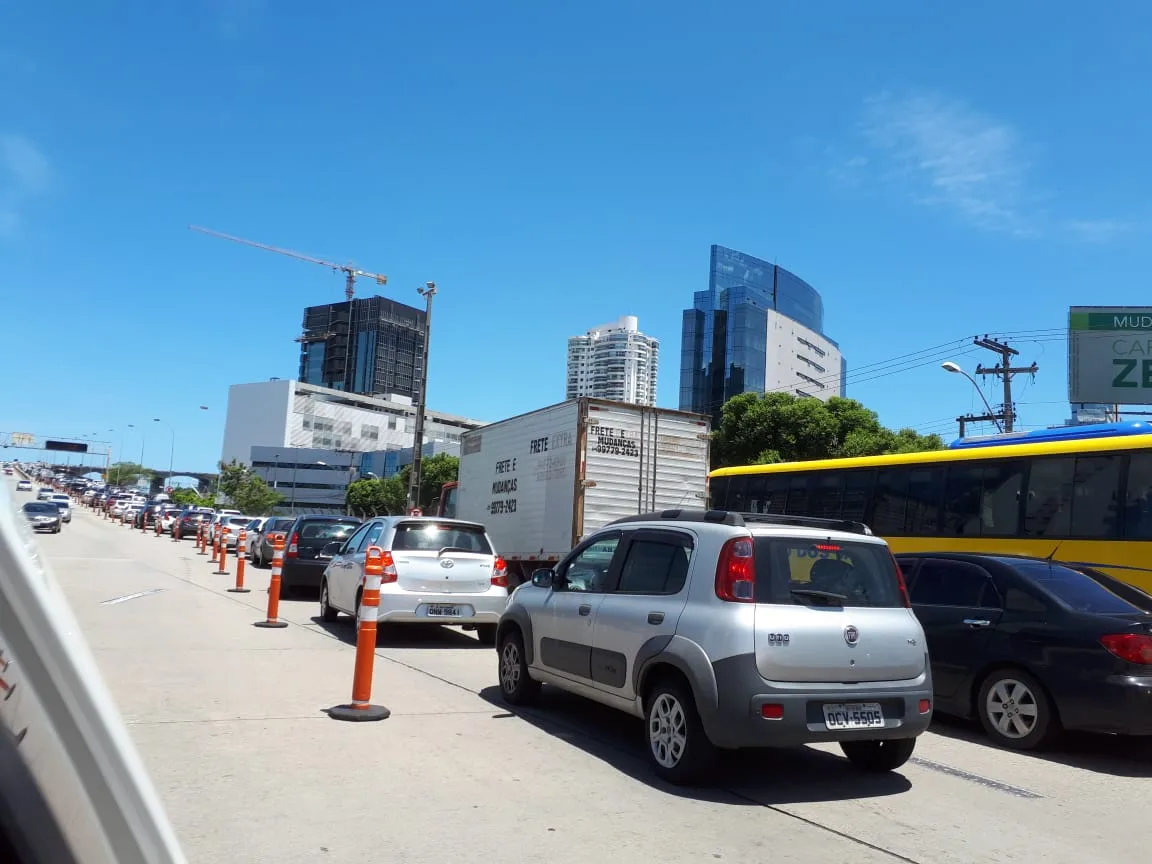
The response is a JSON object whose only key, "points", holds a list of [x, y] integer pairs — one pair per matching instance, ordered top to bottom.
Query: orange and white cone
{"points": [[377, 565], [272, 618]]}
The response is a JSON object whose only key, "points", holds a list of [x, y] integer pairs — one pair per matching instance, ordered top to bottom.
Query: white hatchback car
{"points": [[437, 571]]}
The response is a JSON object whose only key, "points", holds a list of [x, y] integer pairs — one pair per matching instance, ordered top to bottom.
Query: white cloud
{"points": [[947, 154], [25, 173], [1099, 230]]}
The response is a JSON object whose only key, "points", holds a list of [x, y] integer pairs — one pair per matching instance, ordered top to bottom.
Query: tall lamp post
{"points": [[427, 292], [949, 366], [172, 449]]}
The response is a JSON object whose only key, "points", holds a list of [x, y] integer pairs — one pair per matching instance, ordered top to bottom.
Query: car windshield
{"points": [[39, 507], [326, 531], [434, 536], [825, 572], [1074, 589]]}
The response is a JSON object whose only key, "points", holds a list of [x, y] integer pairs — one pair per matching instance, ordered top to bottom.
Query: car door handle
{"points": [[585, 609], [655, 617], [977, 622]]}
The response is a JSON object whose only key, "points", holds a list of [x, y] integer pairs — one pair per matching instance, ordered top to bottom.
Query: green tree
{"points": [[779, 427], [435, 471], [124, 473], [232, 475], [253, 497], [377, 497], [190, 498]]}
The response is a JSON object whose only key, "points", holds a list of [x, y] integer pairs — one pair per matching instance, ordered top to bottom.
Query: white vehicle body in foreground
{"points": [[72, 786]]}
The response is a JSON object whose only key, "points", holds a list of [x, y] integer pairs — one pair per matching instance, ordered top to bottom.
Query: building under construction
{"points": [[372, 346]]}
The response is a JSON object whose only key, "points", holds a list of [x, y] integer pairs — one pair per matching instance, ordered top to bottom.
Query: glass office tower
{"points": [[757, 328]]}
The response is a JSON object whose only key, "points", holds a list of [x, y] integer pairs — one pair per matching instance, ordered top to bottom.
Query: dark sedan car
{"points": [[42, 516], [189, 521], [304, 561], [1032, 647]]}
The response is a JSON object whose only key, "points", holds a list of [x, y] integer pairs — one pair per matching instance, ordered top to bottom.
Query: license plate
{"points": [[443, 611], [854, 715]]}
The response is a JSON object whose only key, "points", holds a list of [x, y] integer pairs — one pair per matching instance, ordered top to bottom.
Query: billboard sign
{"points": [[1110, 354], [66, 446]]}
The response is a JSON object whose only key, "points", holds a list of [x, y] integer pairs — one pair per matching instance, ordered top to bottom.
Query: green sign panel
{"points": [[1110, 355]]}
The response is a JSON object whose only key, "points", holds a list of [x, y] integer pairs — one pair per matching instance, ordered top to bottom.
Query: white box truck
{"points": [[541, 481]]}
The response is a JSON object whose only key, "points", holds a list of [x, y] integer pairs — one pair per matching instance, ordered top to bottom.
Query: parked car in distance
{"points": [[23, 486], [44, 493], [42, 516], [168, 518], [190, 521], [230, 526], [253, 529], [262, 548], [304, 557], [436, 571], [728, 630], [1031, 647]]}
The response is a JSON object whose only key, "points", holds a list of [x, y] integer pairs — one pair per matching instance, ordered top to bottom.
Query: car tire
{"points": [[328, 613], [486, 633], [517, 687], [1015, 711], [678, 746], [879, 756]]}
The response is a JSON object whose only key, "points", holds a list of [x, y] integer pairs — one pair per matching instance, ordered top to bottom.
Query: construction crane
{"points": [[350, 273]]}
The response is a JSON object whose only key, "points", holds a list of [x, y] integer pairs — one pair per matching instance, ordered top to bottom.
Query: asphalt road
{"points": [[230, 722]]}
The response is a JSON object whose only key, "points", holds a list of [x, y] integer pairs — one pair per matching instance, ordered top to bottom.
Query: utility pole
{"points": [[428, 292], [1004, 370]]}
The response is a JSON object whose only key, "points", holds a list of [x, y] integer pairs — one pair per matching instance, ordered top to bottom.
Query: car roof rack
{"points": [[738, 520]]}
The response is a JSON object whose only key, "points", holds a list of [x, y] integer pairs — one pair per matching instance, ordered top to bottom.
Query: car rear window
{"points": [[39, 507], [238, 520], [327, 531], [434, 536], [861, 573], [1074, 589]]}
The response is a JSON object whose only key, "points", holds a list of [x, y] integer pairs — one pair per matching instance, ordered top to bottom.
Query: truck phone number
{"points": [[504, 505]]}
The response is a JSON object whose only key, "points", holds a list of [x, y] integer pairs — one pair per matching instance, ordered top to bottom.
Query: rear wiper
{"points": [[452, 549], [830, 598]]}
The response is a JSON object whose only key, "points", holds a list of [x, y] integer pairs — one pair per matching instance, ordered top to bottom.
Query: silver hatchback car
{"points": [[437, 571], [727, 630]]}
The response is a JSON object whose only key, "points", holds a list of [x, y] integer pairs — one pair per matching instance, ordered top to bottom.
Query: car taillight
{"points": [[292, 545], [736, 572], [500, 573], [389, 574], [904, 597], [1133, 647]]}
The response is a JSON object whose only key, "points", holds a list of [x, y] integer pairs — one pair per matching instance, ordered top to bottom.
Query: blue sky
{"points": [[935, 173]]}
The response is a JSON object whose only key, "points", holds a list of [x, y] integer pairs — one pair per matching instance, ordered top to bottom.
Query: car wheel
{"points": [[327, 612], [486, 633], [517, 687], [1015, 711], [677, 743], [879, 756]]}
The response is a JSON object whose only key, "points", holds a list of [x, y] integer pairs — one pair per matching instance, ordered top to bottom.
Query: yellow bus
{"points": [[1083, 502]]}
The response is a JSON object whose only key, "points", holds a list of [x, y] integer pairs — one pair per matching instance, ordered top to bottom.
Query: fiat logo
{"points": [[446, 563], [851, 635]]}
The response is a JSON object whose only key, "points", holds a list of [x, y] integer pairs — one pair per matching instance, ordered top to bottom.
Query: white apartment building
{"points": [[614, 361], [801, 361], [291, 414]]}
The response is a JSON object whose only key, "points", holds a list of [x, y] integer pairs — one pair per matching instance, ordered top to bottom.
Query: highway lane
{"points": [[229, 720]]}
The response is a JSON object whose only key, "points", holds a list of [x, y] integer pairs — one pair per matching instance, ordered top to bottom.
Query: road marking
{"points": [[131, 596], [975, 778]]}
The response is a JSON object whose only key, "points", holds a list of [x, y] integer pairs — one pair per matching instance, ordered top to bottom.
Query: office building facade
{"points": [[758, 328], [371, 345], [614, 361], [296, 435]]}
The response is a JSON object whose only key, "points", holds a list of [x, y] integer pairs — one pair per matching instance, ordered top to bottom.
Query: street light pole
{"points": [[428, 292], [955, 368]]}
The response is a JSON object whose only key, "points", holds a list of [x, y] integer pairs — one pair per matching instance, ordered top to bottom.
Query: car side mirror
{"points": [[332, 549], [543, 578]]}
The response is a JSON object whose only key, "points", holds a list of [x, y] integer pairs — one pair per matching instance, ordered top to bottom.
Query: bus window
{"points": [[925, 489], [755, 491], [718, 492], [775, 492], [857, 494], [1095, 494], [827, 495], [798, 496], [737, 498], [1138, 499], [962, 500], [891, 502], [1000, 502], [1048, 512]]}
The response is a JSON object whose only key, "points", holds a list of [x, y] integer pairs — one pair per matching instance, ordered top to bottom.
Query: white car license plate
{"points": [[439, 611], [854, 715]]}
